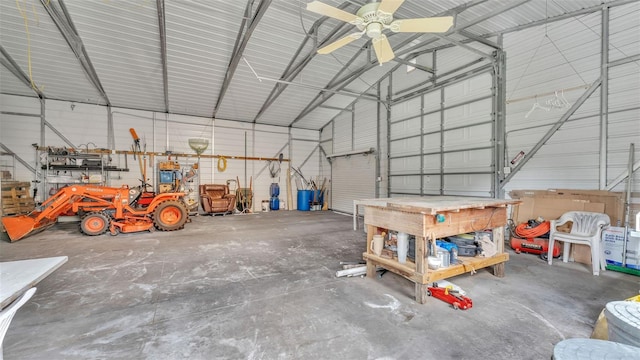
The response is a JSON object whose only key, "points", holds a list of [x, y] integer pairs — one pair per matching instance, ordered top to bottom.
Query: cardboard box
{"points": [[613, 201], [551, 204], [613, 240]]}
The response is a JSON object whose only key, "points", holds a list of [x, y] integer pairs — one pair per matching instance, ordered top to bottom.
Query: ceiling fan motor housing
{"points": [[373, 21]]}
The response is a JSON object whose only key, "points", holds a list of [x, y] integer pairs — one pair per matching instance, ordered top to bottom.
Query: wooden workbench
{"points": [[417, 216]]}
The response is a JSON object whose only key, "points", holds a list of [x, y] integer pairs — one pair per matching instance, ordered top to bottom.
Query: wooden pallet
{"points": [[16, 198]]}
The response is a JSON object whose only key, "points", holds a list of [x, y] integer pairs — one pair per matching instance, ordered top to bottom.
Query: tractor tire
{"points": [[170, 215], [95, 223]]}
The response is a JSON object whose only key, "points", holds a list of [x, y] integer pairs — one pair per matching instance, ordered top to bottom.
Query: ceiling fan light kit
{"points": [[372, 19]]}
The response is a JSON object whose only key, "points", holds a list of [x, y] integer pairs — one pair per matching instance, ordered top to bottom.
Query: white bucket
{"points": [[265, 205], [403, 247]]}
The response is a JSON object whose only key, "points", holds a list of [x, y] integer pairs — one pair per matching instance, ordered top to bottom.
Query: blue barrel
{"points": [[274, 189], [304, 198], [274, 203]]}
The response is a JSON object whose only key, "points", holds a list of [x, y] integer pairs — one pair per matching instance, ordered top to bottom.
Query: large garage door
{"points": [[354, 177]]}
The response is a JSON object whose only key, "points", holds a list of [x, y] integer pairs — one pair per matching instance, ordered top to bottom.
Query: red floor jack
{"points": [[527, 239]]}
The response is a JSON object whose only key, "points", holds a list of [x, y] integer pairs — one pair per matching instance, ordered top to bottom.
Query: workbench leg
{"points": [[498, 239], [371, 268], [498, 270], [421, 293]]}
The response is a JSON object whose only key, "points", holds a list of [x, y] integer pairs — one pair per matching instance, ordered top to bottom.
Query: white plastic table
{"points": [[16, 277]]}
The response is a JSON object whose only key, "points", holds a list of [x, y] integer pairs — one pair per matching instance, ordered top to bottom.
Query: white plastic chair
{"points": [[586, 230], [6, 315]]}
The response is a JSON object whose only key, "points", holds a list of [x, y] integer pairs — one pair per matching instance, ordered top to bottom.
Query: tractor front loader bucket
{"points": [[21, 226]]}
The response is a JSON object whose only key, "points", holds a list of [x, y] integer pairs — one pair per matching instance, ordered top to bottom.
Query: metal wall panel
{"points": [[624, 31], [123, 42], [199, 51], [566, 59], [55, 69], [10, 84], [624, 123], [366, 125], [18, 132], [342, 132], [160, 133]]}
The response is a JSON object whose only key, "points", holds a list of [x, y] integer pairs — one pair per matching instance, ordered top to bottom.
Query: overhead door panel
{"points": [[447, 148], [353, 177]]}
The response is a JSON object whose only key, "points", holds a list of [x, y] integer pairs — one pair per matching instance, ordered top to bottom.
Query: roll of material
{"points": [[356, 271], [623, 322], [593, 349]]}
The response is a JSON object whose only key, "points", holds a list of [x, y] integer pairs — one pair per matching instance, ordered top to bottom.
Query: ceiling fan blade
{"points": [[390, 6], [328, 10], [423, 25], [339, 43], [383, 49]]}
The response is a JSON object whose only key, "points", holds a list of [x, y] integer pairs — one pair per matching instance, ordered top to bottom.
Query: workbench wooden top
{"points": [[432, 205]]}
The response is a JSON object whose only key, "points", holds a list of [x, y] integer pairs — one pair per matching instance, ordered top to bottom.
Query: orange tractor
{"points": [[103, 208]]}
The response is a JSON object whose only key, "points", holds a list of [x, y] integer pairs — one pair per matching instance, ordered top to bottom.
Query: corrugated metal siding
{"points": [[624, 31], [123, 43], [198, 52], [566, 57], [54, 67], [10, 84], [247, 95], [317, 118], [366, 124], [624, 124], [19, 132], [342, 132], [571, 156]]}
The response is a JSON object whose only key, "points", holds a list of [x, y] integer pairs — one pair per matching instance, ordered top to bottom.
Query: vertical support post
{"points": [[389, 92], [604, 97], [499, 117], [43, 122], [353, 126], [378, 128], [442, 141], [111, 143], [421, 145], [290, 195]]}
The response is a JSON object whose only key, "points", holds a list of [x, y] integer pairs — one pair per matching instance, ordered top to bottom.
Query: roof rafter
{"points": [[65, 25], [239, 49], [163, 52], [15, 69], [291, 72], [321, 97]]}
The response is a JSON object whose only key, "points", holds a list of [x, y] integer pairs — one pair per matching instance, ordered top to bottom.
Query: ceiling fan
{"points": [[372, 19]]}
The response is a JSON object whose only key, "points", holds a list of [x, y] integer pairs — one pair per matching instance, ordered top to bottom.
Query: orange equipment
{"points": [[102, 208]]}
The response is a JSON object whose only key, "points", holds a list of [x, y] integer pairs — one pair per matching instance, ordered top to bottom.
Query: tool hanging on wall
{"points": [[142, 157]]}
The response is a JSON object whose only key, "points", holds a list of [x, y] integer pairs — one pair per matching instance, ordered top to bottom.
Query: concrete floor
{"points": [[263, 286]]}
